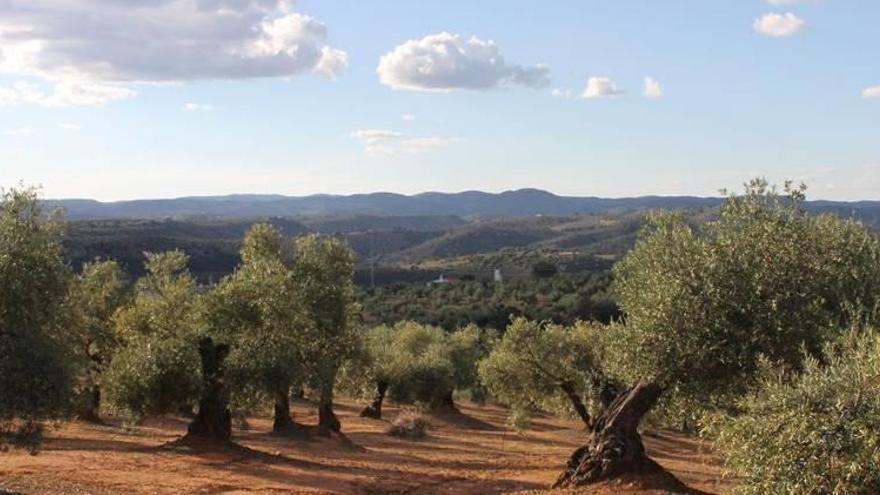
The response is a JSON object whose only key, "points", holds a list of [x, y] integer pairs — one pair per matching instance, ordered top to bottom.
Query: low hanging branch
{"points": [[577, 403], [614, 446]]}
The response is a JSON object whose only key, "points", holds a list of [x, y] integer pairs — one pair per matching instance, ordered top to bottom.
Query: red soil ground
{"points": [[471, 453]]}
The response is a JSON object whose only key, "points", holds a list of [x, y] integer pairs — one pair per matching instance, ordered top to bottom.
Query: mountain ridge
{"points": [[469, 204]]}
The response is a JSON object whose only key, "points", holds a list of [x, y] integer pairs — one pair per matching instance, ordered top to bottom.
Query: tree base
{"points": [[371, 413], [614, 447]]}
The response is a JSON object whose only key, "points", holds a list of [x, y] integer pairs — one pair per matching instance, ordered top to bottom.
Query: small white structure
{"points": [[498, 277]]}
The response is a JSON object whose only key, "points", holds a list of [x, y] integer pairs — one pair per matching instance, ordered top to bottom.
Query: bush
{"points": [[409, 424], [814, 433]]}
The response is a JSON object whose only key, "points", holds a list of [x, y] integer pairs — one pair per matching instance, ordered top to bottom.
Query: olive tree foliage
{"points": [[323, 271], [764, 279], [95, 296], [704, 305], [258, 311], [35, 357], [421, 364], [542, 366], [157, 368], [817, 432]]}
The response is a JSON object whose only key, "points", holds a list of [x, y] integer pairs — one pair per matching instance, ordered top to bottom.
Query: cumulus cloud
{"points": [[779, 25], [91, 51], [447, 62], [600, 87], [652, 88], [871, 93], [408, 117], [379, 142]]}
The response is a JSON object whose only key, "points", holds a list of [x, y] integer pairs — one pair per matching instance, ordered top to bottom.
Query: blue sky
{"points": [[113, 99]]}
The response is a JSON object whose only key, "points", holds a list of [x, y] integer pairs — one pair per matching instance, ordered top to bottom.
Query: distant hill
{"points": [[470, 204], [365, 208]]}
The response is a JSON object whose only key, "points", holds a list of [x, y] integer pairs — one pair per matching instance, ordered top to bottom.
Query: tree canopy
{"points": [[36, 369]]}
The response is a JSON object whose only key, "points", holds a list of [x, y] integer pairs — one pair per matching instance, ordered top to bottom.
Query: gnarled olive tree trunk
{"points": [[374, 410], [214, 421], [614, 446]]}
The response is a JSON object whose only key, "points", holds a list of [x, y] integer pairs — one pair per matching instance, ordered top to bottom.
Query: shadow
{"points": [[459, 419], [64, 444]]}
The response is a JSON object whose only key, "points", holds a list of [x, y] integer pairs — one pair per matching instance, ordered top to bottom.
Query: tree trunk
{"points": [[444, 402], [577, 403], [91, 405], [91, 408], [374, 410], [327, 419], [214, 421], [283, 421], [614, 446]]}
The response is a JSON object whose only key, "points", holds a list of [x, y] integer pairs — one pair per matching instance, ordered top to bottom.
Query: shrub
{"points": [[409, 424], [814, 433]]}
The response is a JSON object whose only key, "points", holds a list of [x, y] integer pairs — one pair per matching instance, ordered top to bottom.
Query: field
{"points": [[468, 453]]}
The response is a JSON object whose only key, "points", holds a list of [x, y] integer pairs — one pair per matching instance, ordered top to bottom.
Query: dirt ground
{"points": [[471, 453]]}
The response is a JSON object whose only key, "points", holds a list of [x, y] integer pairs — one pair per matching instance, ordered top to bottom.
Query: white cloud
{"points": [[779, 25], [91, 51], [446, 62], [332, 63], [600, 87], [653, 88], [64, 93], [561, 93], [871, 93], [197, 107], [408, 117], [67, 126], [20, 131], [378, 142]]}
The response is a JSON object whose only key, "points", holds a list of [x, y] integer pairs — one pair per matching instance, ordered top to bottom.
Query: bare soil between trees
{"points": [[467, 453]]}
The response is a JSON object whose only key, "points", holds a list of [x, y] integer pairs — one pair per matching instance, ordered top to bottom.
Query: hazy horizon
{"points": [[718, 195]]}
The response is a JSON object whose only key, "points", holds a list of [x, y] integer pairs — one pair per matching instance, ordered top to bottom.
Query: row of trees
{"points": [[284, 320], [756, 324]]}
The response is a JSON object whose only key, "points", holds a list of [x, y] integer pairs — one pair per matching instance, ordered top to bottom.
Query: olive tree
{"points": [[323, 270], [96, 294], [703, 304], [258, 311], [35, 357], [167, 362], [420, 364], [542, 366], [373, 368], [815, 432]]}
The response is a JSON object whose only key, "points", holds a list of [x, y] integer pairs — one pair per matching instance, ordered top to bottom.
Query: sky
{"points": [[124, 99]]}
